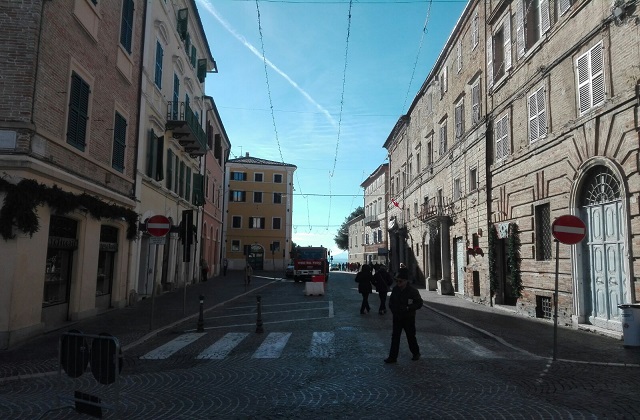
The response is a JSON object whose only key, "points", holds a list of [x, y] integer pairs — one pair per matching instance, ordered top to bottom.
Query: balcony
{"points": [[186, 128], [434, 209], [372, 221]]}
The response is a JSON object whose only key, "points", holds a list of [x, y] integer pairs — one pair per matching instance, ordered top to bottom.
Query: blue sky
{"points": [[329, 122]]}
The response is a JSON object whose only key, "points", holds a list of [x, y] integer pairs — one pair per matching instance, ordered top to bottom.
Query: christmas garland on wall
{"points": [[19, 207], [513, 260], [493, 275]]}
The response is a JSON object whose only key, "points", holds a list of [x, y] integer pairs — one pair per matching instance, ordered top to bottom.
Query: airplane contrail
{"points": [[209, 7]]}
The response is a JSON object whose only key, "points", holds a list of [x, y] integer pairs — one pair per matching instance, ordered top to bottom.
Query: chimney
{"points": [[247, 154]]}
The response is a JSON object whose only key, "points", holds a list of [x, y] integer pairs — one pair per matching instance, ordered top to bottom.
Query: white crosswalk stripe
{"points": [[322, 345], [272, 346], [221, 348], [165, 351]]}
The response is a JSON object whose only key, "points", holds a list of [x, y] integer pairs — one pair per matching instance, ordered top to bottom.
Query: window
{"points": [[563, 6], [532, 21], [126, 27], [474, 31], [499, 50], [194, 56], [590, 72], [158, 73], [176, 96], [475, 102], [78, 112], [537, 115], [459, 117], [443, 138], [502, 138], [119, 142], [155, 149], [429, 152], [418, 162], [169, 169], [238, 176], [257, 177], [277, 178], [473, 179], [176, 180], [187, 189], [456, 189], [238, 196], [257, 197], [277, 198], [236, 222], [276, 222], [256, 223], [543, 232], [366, 239], [235, 245], [274, 246]]}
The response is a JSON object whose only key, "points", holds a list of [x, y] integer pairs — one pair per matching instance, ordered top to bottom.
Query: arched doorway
{"points": [[256, 257], [604, 266]]}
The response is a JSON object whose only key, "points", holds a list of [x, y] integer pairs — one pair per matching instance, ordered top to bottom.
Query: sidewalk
{"points": [[131, 325], [534, 336]]}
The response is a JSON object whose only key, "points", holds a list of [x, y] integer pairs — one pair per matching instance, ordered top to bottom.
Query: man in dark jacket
{"points": [[403, 303]]}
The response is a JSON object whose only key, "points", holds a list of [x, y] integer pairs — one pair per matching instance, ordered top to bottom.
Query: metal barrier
{"points": [[102, 355]]}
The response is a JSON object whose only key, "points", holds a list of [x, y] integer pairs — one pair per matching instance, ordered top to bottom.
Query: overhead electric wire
{"points": [[415, 64], [344, 80]]}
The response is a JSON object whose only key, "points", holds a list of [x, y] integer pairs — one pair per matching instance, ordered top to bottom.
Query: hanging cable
{"points": [[415, 64], [344, 80]]}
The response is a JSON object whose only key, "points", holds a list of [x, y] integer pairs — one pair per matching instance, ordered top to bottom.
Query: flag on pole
{"points": [[395, 203]]}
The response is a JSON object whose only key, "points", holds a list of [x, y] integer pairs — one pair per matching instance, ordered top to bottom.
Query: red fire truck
{"points": [[309, 261]]}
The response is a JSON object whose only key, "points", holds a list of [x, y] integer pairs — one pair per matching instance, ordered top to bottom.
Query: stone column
{"points": [[432, 281], [444, 285]]}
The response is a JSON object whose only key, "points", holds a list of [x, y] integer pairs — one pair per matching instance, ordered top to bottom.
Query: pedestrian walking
{"points": [[225, 263], [204, 269], [248, 272], [364, 278], [382, 281], [403, 303]]}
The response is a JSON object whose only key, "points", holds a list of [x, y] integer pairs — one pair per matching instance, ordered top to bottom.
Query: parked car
{"points": [[288, 272]]}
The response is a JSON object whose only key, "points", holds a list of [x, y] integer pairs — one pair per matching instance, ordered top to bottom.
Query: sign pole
{"points": [[555, 305]]}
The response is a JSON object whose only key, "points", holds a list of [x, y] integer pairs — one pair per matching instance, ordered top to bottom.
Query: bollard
{"points": [[201, 317], [259, 328]]}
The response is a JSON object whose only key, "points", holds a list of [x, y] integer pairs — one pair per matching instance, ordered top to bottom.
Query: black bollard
{"points": [[201, 317], [259, 328]]}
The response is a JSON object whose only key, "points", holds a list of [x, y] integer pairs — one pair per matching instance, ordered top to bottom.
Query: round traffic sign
{"points": [[158, 225], [568, 229]]}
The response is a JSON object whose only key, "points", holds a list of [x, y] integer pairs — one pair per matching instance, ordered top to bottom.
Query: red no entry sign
{"points": [[158, 225], [568, 229]]}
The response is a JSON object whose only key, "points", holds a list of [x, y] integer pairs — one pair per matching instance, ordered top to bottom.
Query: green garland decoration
{"points": [[19, 208], [513, 261], [493, 275]]}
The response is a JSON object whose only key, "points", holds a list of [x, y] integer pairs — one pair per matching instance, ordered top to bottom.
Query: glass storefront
{"points": [[61, 246], [106, 259]]}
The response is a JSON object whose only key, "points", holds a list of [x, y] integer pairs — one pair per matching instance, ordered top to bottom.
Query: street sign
{"points": [[158, 225], [568, 229]]}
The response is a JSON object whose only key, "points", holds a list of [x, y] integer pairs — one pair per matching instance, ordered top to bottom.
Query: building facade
{"points": [[529, 113], [68, 130], [173, 145], [214, 162], [258, 216], [375, 216], [356, 241]]}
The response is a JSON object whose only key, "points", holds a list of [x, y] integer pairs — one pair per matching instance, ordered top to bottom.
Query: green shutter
{"points": [[202, 69], [78, 112], [119, 143], [151, 153], [169, 168], [159, 175], [198, 188], [187, 190]]}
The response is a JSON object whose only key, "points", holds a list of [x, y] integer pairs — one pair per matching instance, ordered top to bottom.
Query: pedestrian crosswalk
{"points": [[319, 345]]}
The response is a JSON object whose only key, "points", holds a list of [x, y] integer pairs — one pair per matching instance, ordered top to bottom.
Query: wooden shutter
{"points": [[545, 18], [126, 28], [520, 38], [507, 42], [159, 57], [596, 58], [490, 61], [202, 69], [584, 83], [475, 97], [78, 112], [542, 113], [533, 118], [119, 142], [169, 169], [159, 173], [187, 190]]}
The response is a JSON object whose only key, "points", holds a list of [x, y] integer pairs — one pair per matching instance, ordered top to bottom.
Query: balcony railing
{"points": [[186, 128], [435, 208], [372, 221]]}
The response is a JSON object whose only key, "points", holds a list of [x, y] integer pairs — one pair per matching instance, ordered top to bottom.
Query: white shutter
{"points": [[564, 6], [545, 19], [474, 31], [507, 42], [520, 44], [459, 55], [489, 62], [597, 74], [446, 79], [584, 85], [475, 98], [542, 113], [533, 118], [498, 134], [505, 139]]}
